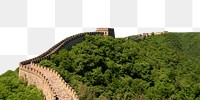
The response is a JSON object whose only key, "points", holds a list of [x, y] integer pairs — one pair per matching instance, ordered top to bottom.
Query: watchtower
{"points": [[107, 31]]}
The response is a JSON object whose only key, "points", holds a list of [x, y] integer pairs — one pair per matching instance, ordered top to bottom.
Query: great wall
{"points": [[48, 80]]}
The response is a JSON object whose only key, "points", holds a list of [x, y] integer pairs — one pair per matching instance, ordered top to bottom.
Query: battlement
{"points": [[106, 31], [153, 33], [36, 77], [42, 77], [48, 80], [55, 86]]}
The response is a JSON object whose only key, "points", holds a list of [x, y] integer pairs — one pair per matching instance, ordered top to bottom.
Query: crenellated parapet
{"points": [[106, 31], [153, 33], [65, 43], [37, 78], [59, 79], [48, 80]]}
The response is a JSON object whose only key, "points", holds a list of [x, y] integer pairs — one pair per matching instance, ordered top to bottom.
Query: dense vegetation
{"points": [[186, 44], [158, 67], [13, 88]]}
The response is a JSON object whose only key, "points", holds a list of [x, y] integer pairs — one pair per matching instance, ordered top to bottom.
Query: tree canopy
{"points": [[158, 67], [13, 88]]}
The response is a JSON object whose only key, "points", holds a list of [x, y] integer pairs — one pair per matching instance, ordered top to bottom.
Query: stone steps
{"points": [[55, 82], [61, 93]]}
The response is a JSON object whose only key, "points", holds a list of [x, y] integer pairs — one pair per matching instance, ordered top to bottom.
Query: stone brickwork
{"points": [[106, 31], [154, 33], [67, 42], [37, 78], [49, 81]]}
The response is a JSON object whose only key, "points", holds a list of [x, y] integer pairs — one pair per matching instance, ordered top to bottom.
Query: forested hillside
{"points": [[186, 44], [158, 67], [12, 88]]}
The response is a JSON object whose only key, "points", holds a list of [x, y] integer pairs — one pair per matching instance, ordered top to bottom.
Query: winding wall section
{"points": [[49, 81]]}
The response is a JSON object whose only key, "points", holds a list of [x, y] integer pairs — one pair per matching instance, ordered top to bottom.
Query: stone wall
{"points": [[107, 31], [66, 43], [35, 77], [60, 80], [49, 81]]}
